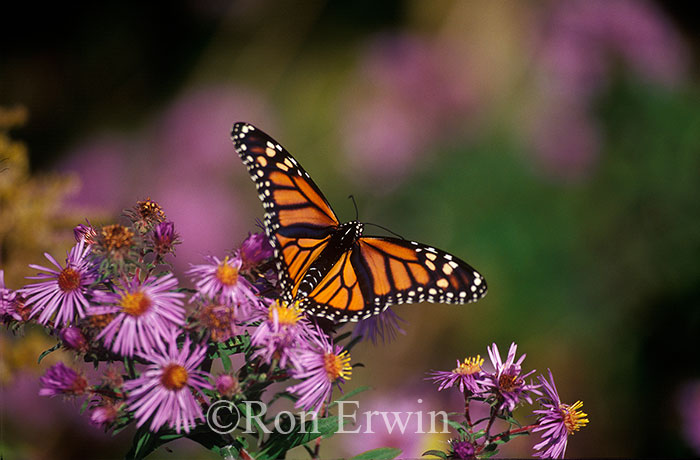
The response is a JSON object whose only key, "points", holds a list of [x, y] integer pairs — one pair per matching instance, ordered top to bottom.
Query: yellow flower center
{"points": [[150, 210], [116, 237], [227, 274], [68, 279], [135, 304], [287, 315], [218, 320], [101, 321], [337, 366], [469, 366], [174, 377], [509, 382], [574, 419]]}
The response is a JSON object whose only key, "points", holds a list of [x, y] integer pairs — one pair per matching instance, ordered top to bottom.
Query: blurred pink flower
{"points": [[582, 42], [410, 93], [192, 136], [566, 142], [184, 160], [102, 164], [689, 407], [395, 409]]}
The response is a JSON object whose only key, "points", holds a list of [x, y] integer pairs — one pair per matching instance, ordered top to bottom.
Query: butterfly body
{"points": [[341, 241], [330, 268]]}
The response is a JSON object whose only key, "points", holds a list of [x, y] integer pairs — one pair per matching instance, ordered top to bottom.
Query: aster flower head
{"points": [[146, 214], [85, 232], [164, 238], [114, 242], [254, 250], [220, 280], [63, 292], [8, 301], [145, 313], [220, 322], [385, 327], [283, 331], [73, 338], [319, 367], [468, 375], [61, 379], [506, 382], [227, 385], [168, 391], [102, 415], [558, 421], [462, 449]]}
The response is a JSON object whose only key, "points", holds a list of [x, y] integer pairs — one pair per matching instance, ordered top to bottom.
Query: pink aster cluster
{"points": [[115, 301], [164, 354], [502, 387]]}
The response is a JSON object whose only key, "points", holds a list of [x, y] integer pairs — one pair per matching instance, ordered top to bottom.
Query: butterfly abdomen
{"points": [[341, 242]]}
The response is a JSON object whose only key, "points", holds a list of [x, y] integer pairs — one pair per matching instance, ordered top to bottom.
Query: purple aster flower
{"points": [[85, 232], [165, 238], [255, 249], [220, 280], [63, 291], [8, 299], [146, 312], [220, 322], [384, 326], [284, 331], [73, 338], [319, 367], [468, 375], [61, 379], [506, 383], [227, 385], [169, 390], [103, 415], [557, 420], [462, 450]]}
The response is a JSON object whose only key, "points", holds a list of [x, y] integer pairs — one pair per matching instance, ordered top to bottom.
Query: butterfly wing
{"points": [[298, 219], [379, 272]]}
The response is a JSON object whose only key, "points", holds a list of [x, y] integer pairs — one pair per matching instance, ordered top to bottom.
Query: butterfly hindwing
{"points": [[298, 219], [331, 269], [401, 271], [379, 272]]}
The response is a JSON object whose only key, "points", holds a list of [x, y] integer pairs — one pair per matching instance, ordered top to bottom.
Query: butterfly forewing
{"points": [[298, 219], [400, 271], [331, 275]]}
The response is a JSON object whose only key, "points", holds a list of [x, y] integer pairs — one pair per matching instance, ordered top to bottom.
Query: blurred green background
{"points": [[555, 146]]}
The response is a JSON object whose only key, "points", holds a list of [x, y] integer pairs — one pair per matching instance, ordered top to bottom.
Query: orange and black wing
{"points": [[298, 219], [400, 271], [379, 272]]}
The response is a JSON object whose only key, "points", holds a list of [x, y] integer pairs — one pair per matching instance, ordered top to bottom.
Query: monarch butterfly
{"points": [[329, 267]]}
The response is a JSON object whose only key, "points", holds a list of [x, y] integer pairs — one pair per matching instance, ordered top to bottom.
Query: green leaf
{"points": [[47, 352], [350, 394], [457, 426], [146, 442], [278, 444], [382, 453], [436, 453]]}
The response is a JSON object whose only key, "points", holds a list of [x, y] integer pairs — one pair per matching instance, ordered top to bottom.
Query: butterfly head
{"points": [[350, 232]]}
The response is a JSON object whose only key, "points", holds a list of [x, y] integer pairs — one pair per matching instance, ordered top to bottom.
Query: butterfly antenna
{"points": [[357, 213], [385, 229]]}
